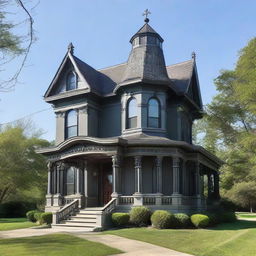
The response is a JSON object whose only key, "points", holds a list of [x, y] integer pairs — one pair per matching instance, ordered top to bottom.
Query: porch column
{"points": [[49, 165], [115, 167], [138, 175], [176, 175], [184, 178], [58, 179], [85, 179], [198, 179], [159, 180], [77, 181], [49, 185], [198, 185], [210, 185], [216, 186], [176, 196], [57, 198], [138, 199]]}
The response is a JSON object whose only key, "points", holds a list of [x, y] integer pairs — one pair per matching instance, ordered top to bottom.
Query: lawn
{"points": [[246, 215], [15, 223], [230, 239], [53, 245]]}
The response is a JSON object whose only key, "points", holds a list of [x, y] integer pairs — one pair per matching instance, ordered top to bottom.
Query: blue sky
{"points": [[100, 31]]}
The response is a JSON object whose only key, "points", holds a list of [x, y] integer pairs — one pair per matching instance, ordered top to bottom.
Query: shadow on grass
{"points": [[12, 220], [237, 225]]}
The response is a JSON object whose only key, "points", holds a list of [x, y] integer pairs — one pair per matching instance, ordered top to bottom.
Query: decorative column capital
{"points": [[159, 160], [116, 161], [137, 161], [176, 162], [49, 165]]}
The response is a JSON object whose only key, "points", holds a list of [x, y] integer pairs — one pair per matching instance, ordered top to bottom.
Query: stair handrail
{"points": [[110, 206], [65, 212]]}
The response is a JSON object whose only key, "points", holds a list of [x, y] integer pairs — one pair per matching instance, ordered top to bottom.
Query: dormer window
{"points": [[71, 83], [132, 113], [153, 113], [71, 124]]}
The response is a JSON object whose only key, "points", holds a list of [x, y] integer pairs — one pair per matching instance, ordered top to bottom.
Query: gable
{"points": [[58, 84], [193, 90]]}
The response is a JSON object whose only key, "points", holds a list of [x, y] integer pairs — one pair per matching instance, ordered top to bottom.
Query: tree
{"points": [[12, 45], [229, 128], [21, 168], [244, 194]]}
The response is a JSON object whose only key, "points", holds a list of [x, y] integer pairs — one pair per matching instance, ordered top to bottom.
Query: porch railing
{"points": [[125, 200], [166, 200], [65, 212]]}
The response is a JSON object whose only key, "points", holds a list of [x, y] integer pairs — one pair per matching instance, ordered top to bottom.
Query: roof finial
{"points": [[146, 13], [71, 48], [193, 55]]}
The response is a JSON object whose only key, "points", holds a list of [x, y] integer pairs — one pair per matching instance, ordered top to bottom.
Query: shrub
{"points": [[15, 209], [30, 215], [37, 216], [140, 216], [227, 216], [46, 217], [213, 218], [120, 219], [162, 219], [182, 220], [200, 220]]}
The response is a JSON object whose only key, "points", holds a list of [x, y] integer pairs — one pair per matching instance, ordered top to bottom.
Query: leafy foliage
{"points": [[229, 127], [21, 168], [140, 216], [46, 217], [120, 219], [162, 219], [182, 220], [200, 220]]}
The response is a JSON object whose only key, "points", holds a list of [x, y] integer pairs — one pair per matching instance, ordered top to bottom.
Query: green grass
{"points": [[246, 215], [15, 223], [230, 239], [53, 245]]}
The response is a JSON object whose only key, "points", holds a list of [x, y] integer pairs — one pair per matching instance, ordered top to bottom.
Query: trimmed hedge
{"points": [[31, 215], [37, 216], [140, 216], [46, 217], [213, 218], [120, 219], [162, 219], [182, 220], [200, 220]]}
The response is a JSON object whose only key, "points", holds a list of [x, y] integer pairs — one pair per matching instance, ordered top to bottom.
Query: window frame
{"points": [[68, 80], [159, 113], [128, 119], [66, 123]]}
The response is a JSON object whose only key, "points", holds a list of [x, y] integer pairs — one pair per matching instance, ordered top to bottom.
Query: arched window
{"points": [[71, 81], [132, 113], [153, 113], [71, 124], [70, 181]]}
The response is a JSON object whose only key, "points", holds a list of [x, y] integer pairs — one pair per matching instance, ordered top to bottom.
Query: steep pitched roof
{"points": [[146, 29], [180, 74]]}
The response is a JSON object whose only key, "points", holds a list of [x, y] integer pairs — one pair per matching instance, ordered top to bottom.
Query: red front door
{"points": [[107, 186]]}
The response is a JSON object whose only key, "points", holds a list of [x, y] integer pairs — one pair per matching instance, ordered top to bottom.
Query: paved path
{"points": [[128, 246], [132, 247]]}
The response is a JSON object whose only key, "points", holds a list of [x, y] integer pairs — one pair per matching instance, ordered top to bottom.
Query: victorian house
{"points": [[124, 137]]}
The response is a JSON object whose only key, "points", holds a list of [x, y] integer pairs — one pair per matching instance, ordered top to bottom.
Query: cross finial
{"points": [[146, 13], [71, 48], [193, 55]]}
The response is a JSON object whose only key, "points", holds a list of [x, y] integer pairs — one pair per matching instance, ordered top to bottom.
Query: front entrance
{"points": [[107, 184]]}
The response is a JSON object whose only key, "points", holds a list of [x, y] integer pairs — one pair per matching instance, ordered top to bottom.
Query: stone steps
{"points": [[85, 219]]}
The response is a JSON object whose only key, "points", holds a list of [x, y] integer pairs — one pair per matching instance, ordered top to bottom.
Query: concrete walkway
{"points": [[128, 246], [132, 247]]}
